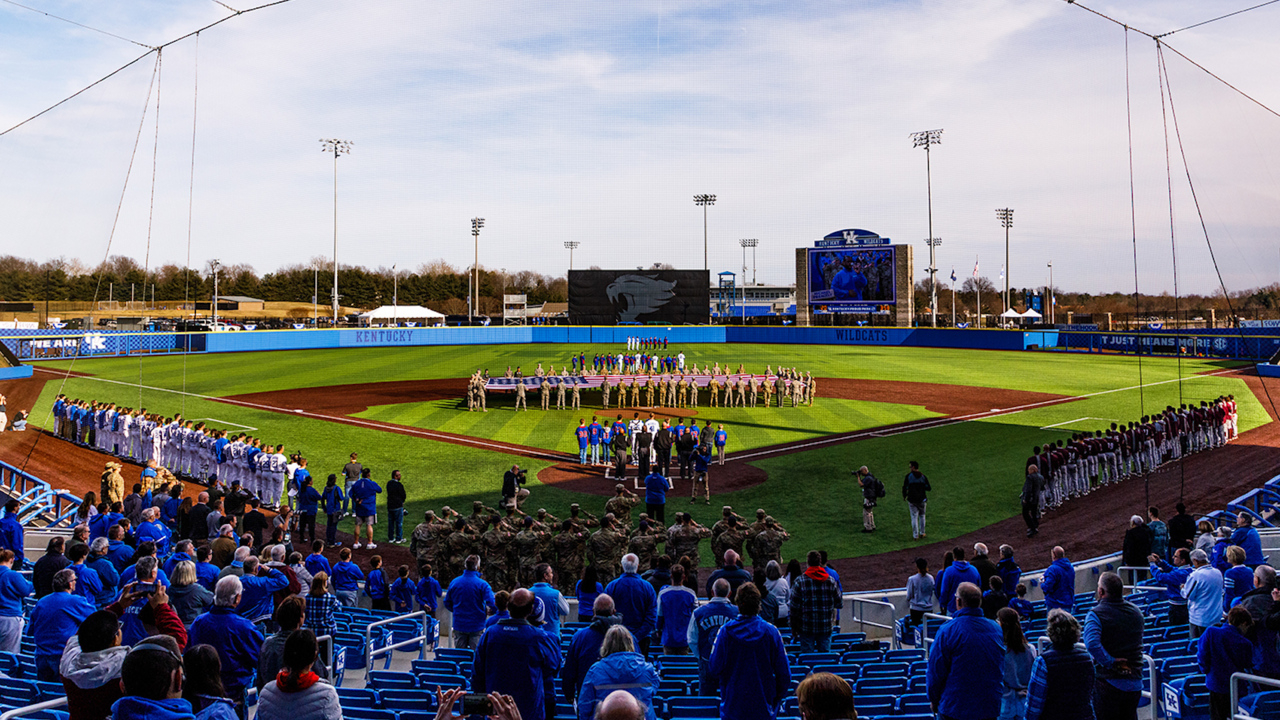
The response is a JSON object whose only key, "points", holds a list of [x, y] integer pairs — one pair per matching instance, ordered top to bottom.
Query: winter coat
{"points": [[1059, 585], [751, 663], [620, 671], [965, 671], [91, 681], [319, 701], [140, 708]]}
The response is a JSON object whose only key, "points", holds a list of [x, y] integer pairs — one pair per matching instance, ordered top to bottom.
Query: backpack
{"points": [[879, 488]]}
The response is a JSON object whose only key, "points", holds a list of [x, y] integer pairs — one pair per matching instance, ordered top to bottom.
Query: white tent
{"points": [[1011, 313], [1031, 313], [389, 314]]}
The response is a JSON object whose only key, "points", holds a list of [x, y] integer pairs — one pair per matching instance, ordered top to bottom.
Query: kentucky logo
{"points": [[636, 295]]}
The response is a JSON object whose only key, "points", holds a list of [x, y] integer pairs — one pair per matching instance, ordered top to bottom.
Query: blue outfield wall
{"points": [[908, 337]]}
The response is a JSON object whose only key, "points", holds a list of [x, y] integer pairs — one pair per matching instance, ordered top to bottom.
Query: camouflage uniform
{"points": [[560, 387], [545, 390], [521, 391], [671, 391], [715, 391], [604, 392], [648, 392], [693, 392], [742, 393], [635, 394], [577, 396], [620, 506], [477, 518], [582, 519], [683, 540], [422, 542], [644, 543], [768, 545], [458, 546], [494, 546], [607, 546], [526, 548], [570, 556]]}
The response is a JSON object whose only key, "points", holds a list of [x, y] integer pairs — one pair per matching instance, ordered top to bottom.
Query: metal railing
{"points": [[1132, 572], [858, 615], [925, 640], [370, 653], [1236, 679], [31, 709]]}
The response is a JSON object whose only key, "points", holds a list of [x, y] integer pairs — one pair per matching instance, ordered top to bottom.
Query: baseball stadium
{"points": [[372, 485]]}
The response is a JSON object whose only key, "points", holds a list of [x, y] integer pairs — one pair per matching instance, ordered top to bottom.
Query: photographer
{"points": [[511, 482], [872, 490]]}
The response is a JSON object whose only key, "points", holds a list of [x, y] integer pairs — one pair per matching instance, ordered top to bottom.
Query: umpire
{"points": [[872, 490]]}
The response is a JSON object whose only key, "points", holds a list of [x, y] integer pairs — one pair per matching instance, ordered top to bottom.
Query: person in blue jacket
{"points": [[583, 434], [594, 434], [655, 495], [333, 499], [364, 503], [308, 505], [169, 513], [100, 524], [152, 530], [11, 535], [1247, 537], [118, 551], [184, 551], [316, 562], [106, 571], [206, 572], [959, 572], [1173, 577], [346, 579], [1237, 580], [1059, 582], [88, 584], [258, 586], [376, 587], [14, 588], [401, 591], [428, 592], [469, 598], [635, 600], [676, 604], [54, 619], [234, 636], [584, 648], [1222, 651], [514, 657], [750, 663], [619, 667], [151, 677], [964, 677]]}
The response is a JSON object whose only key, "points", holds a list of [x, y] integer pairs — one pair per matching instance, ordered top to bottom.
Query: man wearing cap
{"points": [[872, 490], [621, 503], [581, 519], [422, 542]]}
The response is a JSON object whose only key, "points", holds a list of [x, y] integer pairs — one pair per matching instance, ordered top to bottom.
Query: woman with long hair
{"points": [[88, 508], [184, 517], [794, 571], [778, 586], [587, 589], [187, 597], [321, 606], [1016, 671], [202, 684], [297, 693]]}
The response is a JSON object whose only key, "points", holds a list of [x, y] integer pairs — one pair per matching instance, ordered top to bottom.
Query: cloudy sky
{"points": [[598, 122]]}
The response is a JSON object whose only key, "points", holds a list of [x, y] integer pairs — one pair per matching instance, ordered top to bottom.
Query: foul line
{"points": [[226, 422], [1070, 422]]}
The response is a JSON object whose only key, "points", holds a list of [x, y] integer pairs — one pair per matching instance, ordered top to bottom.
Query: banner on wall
{"points": [[612, 297]]}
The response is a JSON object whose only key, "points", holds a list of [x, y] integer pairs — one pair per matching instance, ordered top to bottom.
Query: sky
{"points": [[598, 122]]}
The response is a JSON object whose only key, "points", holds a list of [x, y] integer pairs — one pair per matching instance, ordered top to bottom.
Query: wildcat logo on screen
{"points": [[636, 295]]}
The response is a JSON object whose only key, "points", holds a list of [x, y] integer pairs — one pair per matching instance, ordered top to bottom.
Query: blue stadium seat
{"points": [[846, 638], [1167, 649], [456, 654], [908, 655], [860, 657], [818, 658], [677, 660], [440, 666], [1178, 667], [919, 668], [885, 670], [848, 672], [390, 679], [432, 681], [917, 684], [881, 686], [672, 688], [16, 693], [357, 698], [1186, 698], [413, 699], [914, 703], [873, 705], [1264, 705], [693, 707], [359, 713], [415, 715]]}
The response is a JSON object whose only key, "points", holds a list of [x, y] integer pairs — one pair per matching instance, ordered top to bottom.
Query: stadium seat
{"points": [[455, 654], [908, 655], [860, 657], [817, 658], [680, 660], [437, 666], [1178, 667], [918, 669], [885, 670], [848, 672], [390, 679], [432, 681], [917, 684], [881, 686], [672, 688], [16, 693], [357, 698], [1186, 698], [413, 699], [914, 703], [873, 705], [1263, 705], [693, 707], [359, 713]]}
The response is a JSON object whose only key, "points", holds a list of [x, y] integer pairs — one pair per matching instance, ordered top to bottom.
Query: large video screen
{"points": [[849, 276], [610, 297]]}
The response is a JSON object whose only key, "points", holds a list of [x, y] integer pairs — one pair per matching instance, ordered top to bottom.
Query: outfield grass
{"points": [[975, 466]]}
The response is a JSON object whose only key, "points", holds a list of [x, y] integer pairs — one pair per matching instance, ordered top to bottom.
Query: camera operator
{"points": [[511, 482], [872, 490]]}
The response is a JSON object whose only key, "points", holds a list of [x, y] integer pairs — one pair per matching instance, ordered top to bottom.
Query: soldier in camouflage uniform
{"points": [[810, 387], [560, 388], [755, 390], [521, 391], [545, 391], [648, 391], [671, 391], [715, 391], [682, 392], [693, 392], [742, 392], [635, 394], [577, 395], [621, 503], [479, 515], [581, 519], [546, 524], [722, 524], [753, 530], [731, 537], [683, 538], [422, 542], [644, 543], [459, 544], [495, 544], [526, 545], [768, 545], [570, 546], [606, 547]]}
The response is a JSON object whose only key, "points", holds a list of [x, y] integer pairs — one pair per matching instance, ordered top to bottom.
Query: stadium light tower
{"points": [[927, 139], [337, 147], [704, 201], [1005, 215], [476, 224], [749, 243], [572, 245], [1052, 302]]}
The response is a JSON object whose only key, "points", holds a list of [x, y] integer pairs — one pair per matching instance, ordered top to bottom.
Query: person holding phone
{"points": [[493, 705]]}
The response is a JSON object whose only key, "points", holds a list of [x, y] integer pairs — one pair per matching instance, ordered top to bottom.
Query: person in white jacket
{"points": [[297, 693]]}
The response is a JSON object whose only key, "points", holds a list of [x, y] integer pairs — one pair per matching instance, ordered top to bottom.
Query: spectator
{"points": [[656, 486], [915, 487], [364, 503], [308, 507], [395, 509], [198, 518], [214, 521], [255, 522], [1182, 528], [151, 529], [1159, 532], [11, 533], [79, 536], [1207, 536], [1247, 537], [1137, 543], [223, 548], [182, 550], [119, 552], [1218, 556], [983, 564], [47, 566], [236, 566], [1008, 569], [300, 571], [731, 571], [206, 572], [958, 572], [130, 574], [108, 577], [346, 578], [1173, 578], [1236, 581], [1059, 582], [88, 584], [776, 585], [258, 586], [295, 586], [14, 588], [588, 589], [545, 590], [1203, 591], [401, 592], [428, 592], [920, 592], [188, 598], [469, 598], [814, 599], [994, 599], [500, 600], [636, 601], [769, 603], [1020, 604], [1260, 604], [322, 607], [675, 608], [144, 609], [289, 617], [55, 619], [703, 629], [1113, 636], [235, 638], [584, 649], [1221, 652], [516, 660], [749, 662], [965, 662], [620, 666], [90, 667], [1016, 670], [151, 677], [1062, 678], [202, 684], [297, 693], [823, 696]]}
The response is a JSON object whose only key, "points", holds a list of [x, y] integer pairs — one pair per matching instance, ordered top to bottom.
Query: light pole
{"points": [[927, 139], [337, 147], [704, 201], [1005, 216], [476, 224], [747, 243], [572, 245], [214, 264], [395, 296], [1051, 302]]}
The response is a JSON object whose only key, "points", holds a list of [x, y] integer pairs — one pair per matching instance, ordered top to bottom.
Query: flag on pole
{"points": [[975, 266], [953, 273], [1001, 273]]}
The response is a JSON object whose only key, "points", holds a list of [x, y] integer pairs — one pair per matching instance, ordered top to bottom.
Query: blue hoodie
{"points": [[364, 497], [332, 499], [309, 500], [1249, 540], [120, 554], [172, 563], [317, 563], [960, 571], [107, 574], [207, 575], [346, 575], [1172, 578], [1059, 585], [13, 588], [428, 594], [468, 597], [256, 600], [636, 602], [675, 608], [55, 618], [237, 641], [584, 651], [1222, 651], [514, 658], [751, 664], [620, 671], [964, 678], [132, 707]]}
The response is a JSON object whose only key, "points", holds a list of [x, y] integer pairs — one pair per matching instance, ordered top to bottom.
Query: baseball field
{"points": [[968, 417]]}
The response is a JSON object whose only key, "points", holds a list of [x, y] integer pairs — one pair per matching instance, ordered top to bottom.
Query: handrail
{"points": [[1134, 569], [863, 622], [925, 640], [370, 653], [1236, 678], [1153, 694], [29, 709]]}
